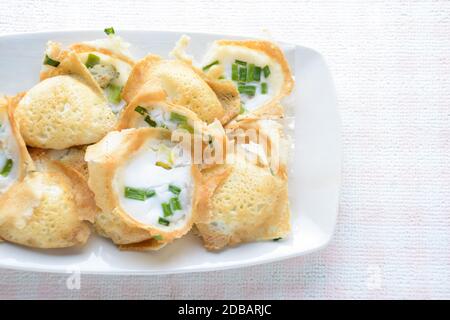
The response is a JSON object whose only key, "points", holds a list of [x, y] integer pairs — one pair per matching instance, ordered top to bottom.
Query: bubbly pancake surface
{"points": [[61, 112]]}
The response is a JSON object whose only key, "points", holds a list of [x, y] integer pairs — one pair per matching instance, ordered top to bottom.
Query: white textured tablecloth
{"points": [[391, 65]]}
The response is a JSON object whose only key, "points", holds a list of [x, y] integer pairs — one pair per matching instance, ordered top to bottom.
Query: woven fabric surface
{"points": [[391, 65]]}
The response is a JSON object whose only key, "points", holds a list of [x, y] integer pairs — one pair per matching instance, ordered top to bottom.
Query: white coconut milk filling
{"points": [[226, 55], [9, 154], [162, 170]]}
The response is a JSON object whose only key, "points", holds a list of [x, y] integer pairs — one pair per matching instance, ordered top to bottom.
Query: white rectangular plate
{"points": [[314, 174]]}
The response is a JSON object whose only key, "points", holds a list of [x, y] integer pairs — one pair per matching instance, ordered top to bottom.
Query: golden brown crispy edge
{"points": [[83, 47], [139, 77]]}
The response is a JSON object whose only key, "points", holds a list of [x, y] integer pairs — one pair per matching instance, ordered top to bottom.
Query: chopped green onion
{"points": [[109, 31], [92, 60], [50, 61], [240, 62], [206, 68], [266, 71], [234, 72], [250, 72], [242, 74], [257, 74], [221, 77], [264, 88], [249, 90], [114, 93], [241, 109], [140, 110], [177, 117], [150, 122], [186, 127], [163, 165], [7, 168], [174, 189], [150, 193], [139, 194], [175, 204], [167, 211], [163, 221], [158, 237], [276, 239]]}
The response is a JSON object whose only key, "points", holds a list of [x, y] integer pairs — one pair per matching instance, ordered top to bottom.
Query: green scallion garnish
{"points": [[109, 31], [92, 60], [49, 61], [240, 62], [206, 68], [266, 71], [234, 72], [250, 72], [242, 74], [257, 74], [264, 88], [249, 90], [114, 93], [241, 109], [140, 110], [177, 117], [150, 121], [186, 127], [163, 165], [7, 168], [174, 189], [150, 193], [139, 194], [175, 204], [167, 211], [163, 221], [158, 237], [277, 239]]}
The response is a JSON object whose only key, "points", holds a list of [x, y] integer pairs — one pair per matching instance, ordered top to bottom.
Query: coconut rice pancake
{"points": [[104, 64], [258, 68], [61, 112], [145, 185], [248, 193], [49, 208]]}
